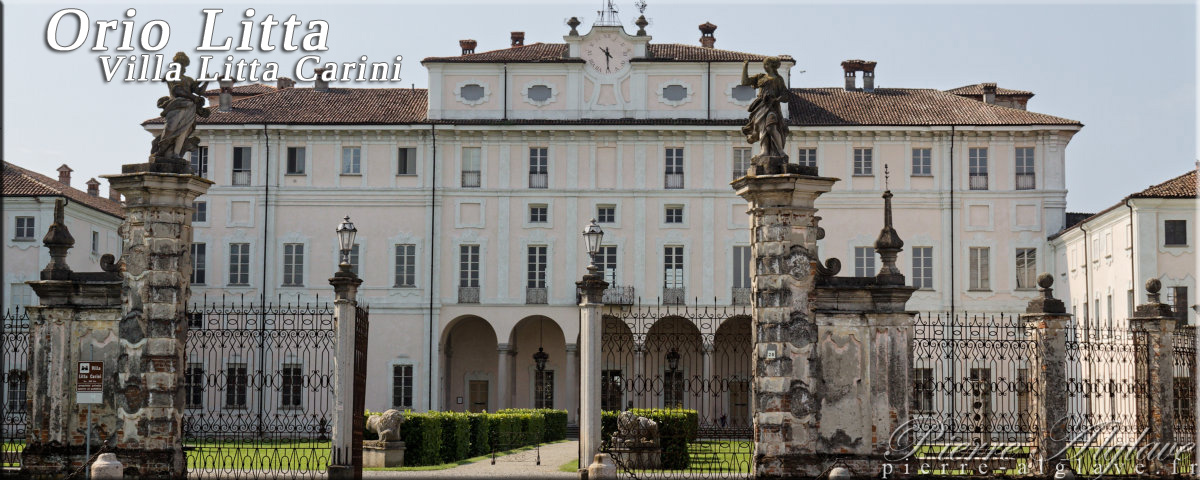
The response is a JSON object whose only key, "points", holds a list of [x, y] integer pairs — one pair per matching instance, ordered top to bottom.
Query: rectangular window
{"points": [[807, 157], [199, 161], [295, 161], [351, 161], [922, 161], [741, 162], [406, 163], [863, 164], [241, 165], [470, 167], [674, 168], [978, 168], [539, 172], [1026, 180], [199, 211], [538, 214], [606, 214], [673, 214], [24, 228], [1175, 232], [95, 243], [353, 259], [606, 261], [864, 261], [536, 262], [199, 263], [239, 264], [293, 264], [406, 265], [922, 267], [468, 268], [1026, 268], [980, 271], [741, 276], [673, 281], [21, 295], [1177, 297], [1130, 303], [195, 320], [1111, 320], [980, 381], [193, 385], [235, 385], [291, 385], [18, 386], [402, 386], [673, 388], [543, 389], [612, 389], [922, 399], [1185, 399]]}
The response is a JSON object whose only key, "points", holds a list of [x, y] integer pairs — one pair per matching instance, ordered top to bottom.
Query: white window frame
{"points": [[406, 157], [297, 159], [352, 160], [864, 162], [922, 162], [864, 261], [404, 263], [293, 265], [922, 267], [241, 268], [979, 271]]}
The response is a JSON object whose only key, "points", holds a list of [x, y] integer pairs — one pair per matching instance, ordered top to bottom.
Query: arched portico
{"points": [[470, 374]]}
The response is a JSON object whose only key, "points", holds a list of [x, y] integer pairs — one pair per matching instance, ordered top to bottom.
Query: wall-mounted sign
{"points": [[89, 383]]}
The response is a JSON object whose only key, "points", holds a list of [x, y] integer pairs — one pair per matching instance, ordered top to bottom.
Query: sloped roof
{"points": [[556, 52], [977, 89], [243, 90], [338, 106], [905, 106], [20, 182], [1183, 186]]}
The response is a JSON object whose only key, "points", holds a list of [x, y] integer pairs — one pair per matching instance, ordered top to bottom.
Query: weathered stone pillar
{"points": [[156, 267], [345, 290], [1047, 319], [75, 321], [590, 328], [1156, 349], [503, 375], [785, 392], [571, 398]]}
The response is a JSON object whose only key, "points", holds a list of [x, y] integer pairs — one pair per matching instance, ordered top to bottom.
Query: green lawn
{"points": [[259, 455], [716, 456], [464, 461], [571, 466]]}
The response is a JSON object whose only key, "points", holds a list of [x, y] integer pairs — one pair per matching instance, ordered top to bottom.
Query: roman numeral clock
{"points": [[607, 53], [609, 84]]}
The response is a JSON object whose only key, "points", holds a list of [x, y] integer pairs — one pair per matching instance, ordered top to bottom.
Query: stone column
{"points": [[156, 266], [345, 290], [1047, 320], [590, 328], [1155, 347], [503, 376], [572, 390], [785, 396]]}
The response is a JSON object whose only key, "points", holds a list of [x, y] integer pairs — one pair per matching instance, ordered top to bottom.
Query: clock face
{"points": [[607, 53]]}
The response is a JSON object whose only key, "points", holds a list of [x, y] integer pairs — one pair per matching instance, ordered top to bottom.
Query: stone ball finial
{"points": [[1045, 280], [1153, 285]]}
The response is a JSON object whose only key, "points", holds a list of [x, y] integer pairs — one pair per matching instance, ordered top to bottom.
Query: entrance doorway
{"points": [[478, 394], [739, 401]]}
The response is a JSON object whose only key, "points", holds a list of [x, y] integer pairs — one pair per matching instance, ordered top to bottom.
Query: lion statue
{"points": [[386, 425], [635, 430]]}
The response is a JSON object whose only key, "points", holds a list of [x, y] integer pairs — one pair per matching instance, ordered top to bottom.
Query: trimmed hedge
{"points": [[676, 428], [480, 433], [422, 435], [456, 435], [433, 438]]}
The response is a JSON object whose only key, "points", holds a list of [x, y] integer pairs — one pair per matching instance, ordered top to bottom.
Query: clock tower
{"points": [[608, 55]]}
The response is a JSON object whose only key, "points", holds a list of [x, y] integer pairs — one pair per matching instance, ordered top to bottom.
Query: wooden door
{"points": [[478, 394]]}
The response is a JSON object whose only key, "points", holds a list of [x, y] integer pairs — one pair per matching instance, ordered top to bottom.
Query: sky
{"points": [[1127, 71]]}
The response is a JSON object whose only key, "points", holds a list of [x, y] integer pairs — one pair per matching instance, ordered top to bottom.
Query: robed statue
{"points": [[179, 109], [767, 125]]}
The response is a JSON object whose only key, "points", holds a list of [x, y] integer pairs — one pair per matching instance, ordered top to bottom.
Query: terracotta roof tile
{"points": [[556, 52], [243, 90], [977, 90], [305, 106], [904, 106], [20, 182], [1183, 186]]}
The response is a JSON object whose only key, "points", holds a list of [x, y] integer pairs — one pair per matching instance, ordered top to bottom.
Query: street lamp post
{"points": [[592, 287], [345, 288]]}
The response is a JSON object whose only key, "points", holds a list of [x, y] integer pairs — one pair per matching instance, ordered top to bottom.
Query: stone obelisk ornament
{"points": [[185, 100], [767, 125]]}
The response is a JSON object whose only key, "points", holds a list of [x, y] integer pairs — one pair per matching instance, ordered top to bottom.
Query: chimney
{"points": [[706, 35], [518, 39], [468, 46], [852, 67], [850, 75], [869, 77], [285, 82], [320, 85], [989, 93], [225, 102], [64, 174], [93, 187], [113, 194]]}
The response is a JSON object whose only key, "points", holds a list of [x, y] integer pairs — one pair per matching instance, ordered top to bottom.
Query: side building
{"points": [[469, 198]]}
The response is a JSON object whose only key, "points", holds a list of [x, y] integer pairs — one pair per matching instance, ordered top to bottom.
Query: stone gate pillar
{"points": [[156, 266], [345, 289], [1046, 319], [591, 325], [1155, 370], [784, 400]]}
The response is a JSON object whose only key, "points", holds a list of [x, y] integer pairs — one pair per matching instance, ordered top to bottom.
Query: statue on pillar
{"points": [[179, 109], [767, 125]]}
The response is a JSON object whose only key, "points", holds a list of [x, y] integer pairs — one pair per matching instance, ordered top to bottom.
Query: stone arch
{"points": [[529, 334], [468, 352], [673, 364], [731, 372]]}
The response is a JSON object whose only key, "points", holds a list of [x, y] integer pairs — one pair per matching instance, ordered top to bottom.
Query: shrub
{"points": [[676, 428], [505, 431], [480, 433], [422, 435], [456, 435]]}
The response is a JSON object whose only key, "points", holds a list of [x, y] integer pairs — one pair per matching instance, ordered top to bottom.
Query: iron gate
{"points": [[14, 361], [688, 369], [258, 389]]}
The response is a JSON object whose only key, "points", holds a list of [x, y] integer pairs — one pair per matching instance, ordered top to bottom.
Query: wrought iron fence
{"points": [[1183, 344], [14, 361], [689, 369], [258, 389]]}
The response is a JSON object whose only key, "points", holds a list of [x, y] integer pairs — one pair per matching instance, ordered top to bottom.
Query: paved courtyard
{"points": [[517, 465]]}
